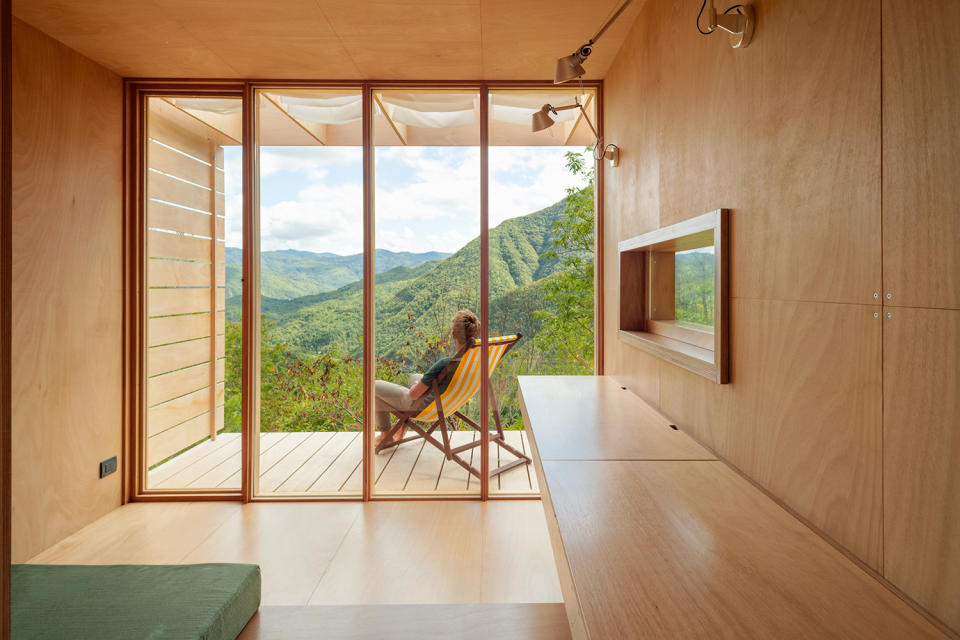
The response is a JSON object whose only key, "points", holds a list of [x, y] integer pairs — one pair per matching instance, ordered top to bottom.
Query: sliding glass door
{"points": [[193, 191], [310, 212], [541, 256], [428, 269], [262, 339]]}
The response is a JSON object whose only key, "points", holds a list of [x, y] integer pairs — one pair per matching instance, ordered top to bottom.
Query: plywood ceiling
{"points": [[332, 39]]}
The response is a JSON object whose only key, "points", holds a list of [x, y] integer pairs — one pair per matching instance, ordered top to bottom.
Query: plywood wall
{"points": [[6, 132], [833, 139], [67, 290]]}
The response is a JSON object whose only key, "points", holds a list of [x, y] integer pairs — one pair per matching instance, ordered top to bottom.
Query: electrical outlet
{"points": [[108, 466]]}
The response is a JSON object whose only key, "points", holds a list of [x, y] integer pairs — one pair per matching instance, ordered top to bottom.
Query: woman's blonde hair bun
{"points": [[465, 327]]}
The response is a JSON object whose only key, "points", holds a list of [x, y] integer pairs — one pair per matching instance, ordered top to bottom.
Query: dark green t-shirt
{"points": [[434, 371]]}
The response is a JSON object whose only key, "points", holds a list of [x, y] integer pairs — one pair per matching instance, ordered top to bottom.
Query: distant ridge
{"points": [[291, 273], [424, 296]]}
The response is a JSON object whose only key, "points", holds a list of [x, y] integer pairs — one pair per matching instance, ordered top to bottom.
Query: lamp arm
{"points": [[610, 22], [577, 106], [595, 134]]}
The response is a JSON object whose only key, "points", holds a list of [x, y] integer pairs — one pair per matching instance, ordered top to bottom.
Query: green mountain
{"points": [[291, 274], [415, 303]]}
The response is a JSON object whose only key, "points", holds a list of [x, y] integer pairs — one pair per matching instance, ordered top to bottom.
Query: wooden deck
{"points": [[328, 463]]}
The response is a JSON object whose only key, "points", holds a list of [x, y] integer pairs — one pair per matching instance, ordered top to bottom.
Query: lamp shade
{"points": [[568, 68], [542, 119]]}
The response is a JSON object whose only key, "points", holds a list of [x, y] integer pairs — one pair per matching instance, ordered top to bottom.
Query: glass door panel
{"points": [[309, 145], [427, 182], [193, 209], [541, 257]]}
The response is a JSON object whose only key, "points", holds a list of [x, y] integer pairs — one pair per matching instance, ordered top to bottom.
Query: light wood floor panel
{"points": [[142, 533], [292, 542], [338, 552], [407, 552], [531, 575], [411, 622]]}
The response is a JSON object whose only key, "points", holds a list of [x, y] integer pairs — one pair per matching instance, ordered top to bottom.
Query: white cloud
{"points": [[306, 159], [437, 210], [322, 218]]}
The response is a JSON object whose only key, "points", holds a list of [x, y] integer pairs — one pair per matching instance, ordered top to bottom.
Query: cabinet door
{"points": [[921, 153], [921, 466]]}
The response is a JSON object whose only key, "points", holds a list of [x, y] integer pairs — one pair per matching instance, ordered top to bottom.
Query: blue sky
{"points": [[427, 198]]}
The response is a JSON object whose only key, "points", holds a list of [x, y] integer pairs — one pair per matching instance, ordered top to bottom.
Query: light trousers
{"points": [[394, 397]]}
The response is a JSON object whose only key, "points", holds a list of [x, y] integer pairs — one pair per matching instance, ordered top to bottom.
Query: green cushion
{"points": [[208, 601]]}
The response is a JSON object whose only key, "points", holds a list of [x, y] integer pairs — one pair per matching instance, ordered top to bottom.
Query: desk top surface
{"points": [[594, 418], [680, 547]]}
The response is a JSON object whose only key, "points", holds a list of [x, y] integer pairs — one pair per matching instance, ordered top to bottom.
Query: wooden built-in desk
{"points": [[656, 538]]}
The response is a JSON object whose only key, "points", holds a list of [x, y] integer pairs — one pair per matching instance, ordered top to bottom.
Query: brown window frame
{"points": [[136, 91], [647, 295]]}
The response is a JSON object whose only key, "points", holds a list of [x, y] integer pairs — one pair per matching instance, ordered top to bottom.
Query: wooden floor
{"points": [[324, 463], [340, 553], [411, 622]]}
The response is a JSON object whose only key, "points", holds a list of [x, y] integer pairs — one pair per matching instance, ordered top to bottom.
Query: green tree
{"points": [[566, 332]]}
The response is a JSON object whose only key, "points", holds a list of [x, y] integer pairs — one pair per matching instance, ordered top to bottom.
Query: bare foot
{"points": [[399, 435]]}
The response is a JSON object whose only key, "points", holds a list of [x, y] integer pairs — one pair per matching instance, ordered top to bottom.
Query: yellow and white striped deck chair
{"points": [[463, 385]]}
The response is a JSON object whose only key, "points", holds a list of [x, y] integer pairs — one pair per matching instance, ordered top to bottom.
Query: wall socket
{"points": [[108, 466]]}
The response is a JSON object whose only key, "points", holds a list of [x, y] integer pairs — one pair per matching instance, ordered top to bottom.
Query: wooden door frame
{"points": [[135, 93]]}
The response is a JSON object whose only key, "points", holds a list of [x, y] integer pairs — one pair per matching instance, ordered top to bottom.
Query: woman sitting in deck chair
{"points": [[465, 327]]}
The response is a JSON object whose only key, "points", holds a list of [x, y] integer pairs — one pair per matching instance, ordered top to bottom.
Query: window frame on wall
{"points": [[136, 92], [647, 295]]}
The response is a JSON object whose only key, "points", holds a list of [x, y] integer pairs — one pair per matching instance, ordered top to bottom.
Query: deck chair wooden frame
{"points": [[436, 415]]}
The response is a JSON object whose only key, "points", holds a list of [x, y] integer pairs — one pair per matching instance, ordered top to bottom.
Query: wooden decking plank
{"points": [[270, 456], [187, 458], [292, 460], [314, 466], [426, 470], [336, 474], [218, 475], [394, 476], [185, 477], [453, 477], [271, 480], [515, 480], [354, 483], [474, 483], [534, 485]]}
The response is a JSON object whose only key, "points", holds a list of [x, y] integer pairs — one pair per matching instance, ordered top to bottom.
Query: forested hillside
{"points": [[290, 274], [541, 284], [421, 300]]}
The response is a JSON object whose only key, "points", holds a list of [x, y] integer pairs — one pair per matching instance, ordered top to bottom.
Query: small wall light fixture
{"points": [[739, 21], [570, 67], [541, 120]]}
